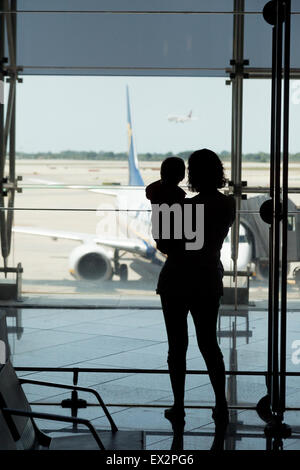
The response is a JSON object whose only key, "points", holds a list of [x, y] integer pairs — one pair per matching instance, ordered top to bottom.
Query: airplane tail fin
{"points": [[190, 113], [135, 177]]}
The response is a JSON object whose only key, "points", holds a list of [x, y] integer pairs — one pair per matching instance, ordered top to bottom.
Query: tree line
{"points": [[102, 155]]}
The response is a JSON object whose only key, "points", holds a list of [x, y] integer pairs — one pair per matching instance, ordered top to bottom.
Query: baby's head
{"points": [[172, 170]]}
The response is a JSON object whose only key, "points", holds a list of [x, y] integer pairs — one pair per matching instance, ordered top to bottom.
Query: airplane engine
{"points": [[90, 262]]}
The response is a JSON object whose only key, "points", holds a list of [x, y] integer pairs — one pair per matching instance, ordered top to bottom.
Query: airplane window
{"points": [[242, 239]]}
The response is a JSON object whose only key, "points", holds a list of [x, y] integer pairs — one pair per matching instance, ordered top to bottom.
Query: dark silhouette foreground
{"points": [[166, 190], [191, 281]]}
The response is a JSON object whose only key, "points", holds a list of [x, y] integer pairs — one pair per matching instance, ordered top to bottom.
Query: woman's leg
{"points": [[175, 312], [205, 313]]}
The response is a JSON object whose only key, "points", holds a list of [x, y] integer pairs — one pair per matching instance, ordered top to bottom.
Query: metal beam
{"points": [[12, 25], [266, 73], [10, 105], [237, 123], [7, 128], [285, 187], [3, 232]]}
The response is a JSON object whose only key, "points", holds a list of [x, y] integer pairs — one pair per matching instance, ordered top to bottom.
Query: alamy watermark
{"points": [[295, 92], [162, 221], [182, 223], [296, 353]]}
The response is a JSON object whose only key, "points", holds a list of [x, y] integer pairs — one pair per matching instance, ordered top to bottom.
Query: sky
{"points": [[89, 113]]}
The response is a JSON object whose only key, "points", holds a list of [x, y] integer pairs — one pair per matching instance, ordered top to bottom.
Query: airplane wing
{"points": [[58, 184], [132, 245]]}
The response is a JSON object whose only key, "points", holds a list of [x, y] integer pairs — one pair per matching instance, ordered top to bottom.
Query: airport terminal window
{"points": [[87, 145], [64, 170], [78, 181], [62, 193], [243, 239]]}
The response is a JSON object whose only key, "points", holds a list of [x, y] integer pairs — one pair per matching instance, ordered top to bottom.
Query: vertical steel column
{"points": [[277, 13], [236, 76], [237, 110], [237, 124], [12, 128], [285, 168], [8, 184], [276, 219], [3, 231], [270, 296]]}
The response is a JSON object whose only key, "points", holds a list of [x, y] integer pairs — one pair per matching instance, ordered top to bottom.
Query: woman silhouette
{"points": [[191, 281]]}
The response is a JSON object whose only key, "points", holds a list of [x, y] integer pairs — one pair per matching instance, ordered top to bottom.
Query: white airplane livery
{"points": [[181, 118], [99, 257]]}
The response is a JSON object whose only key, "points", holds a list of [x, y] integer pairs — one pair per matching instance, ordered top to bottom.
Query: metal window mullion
{"points": [[10, 33], [9, 112], [12, 129], [236, 131], [2, 155], [285, 163], [271, 192], [276, 214], [3, 227]]}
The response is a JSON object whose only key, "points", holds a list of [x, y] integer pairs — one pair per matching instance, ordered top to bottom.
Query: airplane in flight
{"points": [[182, 118], [99, 257]]}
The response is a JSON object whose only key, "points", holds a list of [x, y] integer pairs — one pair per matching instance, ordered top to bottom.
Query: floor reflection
{"points": [[120, 338]]}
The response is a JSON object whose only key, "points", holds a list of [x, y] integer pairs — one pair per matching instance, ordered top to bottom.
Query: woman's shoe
{"points": [[220, 416], [176, 417]]}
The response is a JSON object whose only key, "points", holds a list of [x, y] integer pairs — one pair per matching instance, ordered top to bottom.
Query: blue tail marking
{"points": [[135, 177]]}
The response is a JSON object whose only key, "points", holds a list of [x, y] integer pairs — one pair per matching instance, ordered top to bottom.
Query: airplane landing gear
{"points": [[120, 269], [123, 272], [297, 276]]}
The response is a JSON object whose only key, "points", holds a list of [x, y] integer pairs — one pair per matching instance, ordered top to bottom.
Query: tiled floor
{"points": [[135, 338]]}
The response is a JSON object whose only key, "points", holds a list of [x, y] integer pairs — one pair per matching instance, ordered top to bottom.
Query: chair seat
{"points": [[120, 440]]}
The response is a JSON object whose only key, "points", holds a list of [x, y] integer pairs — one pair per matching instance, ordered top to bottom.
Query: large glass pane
{"points": [[258, 37], [161, 44], [75, 170], [82, 232]]}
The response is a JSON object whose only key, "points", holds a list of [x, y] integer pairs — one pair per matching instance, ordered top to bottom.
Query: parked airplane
{"points": [[181, 118], [245, 251], [98, 257]]}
